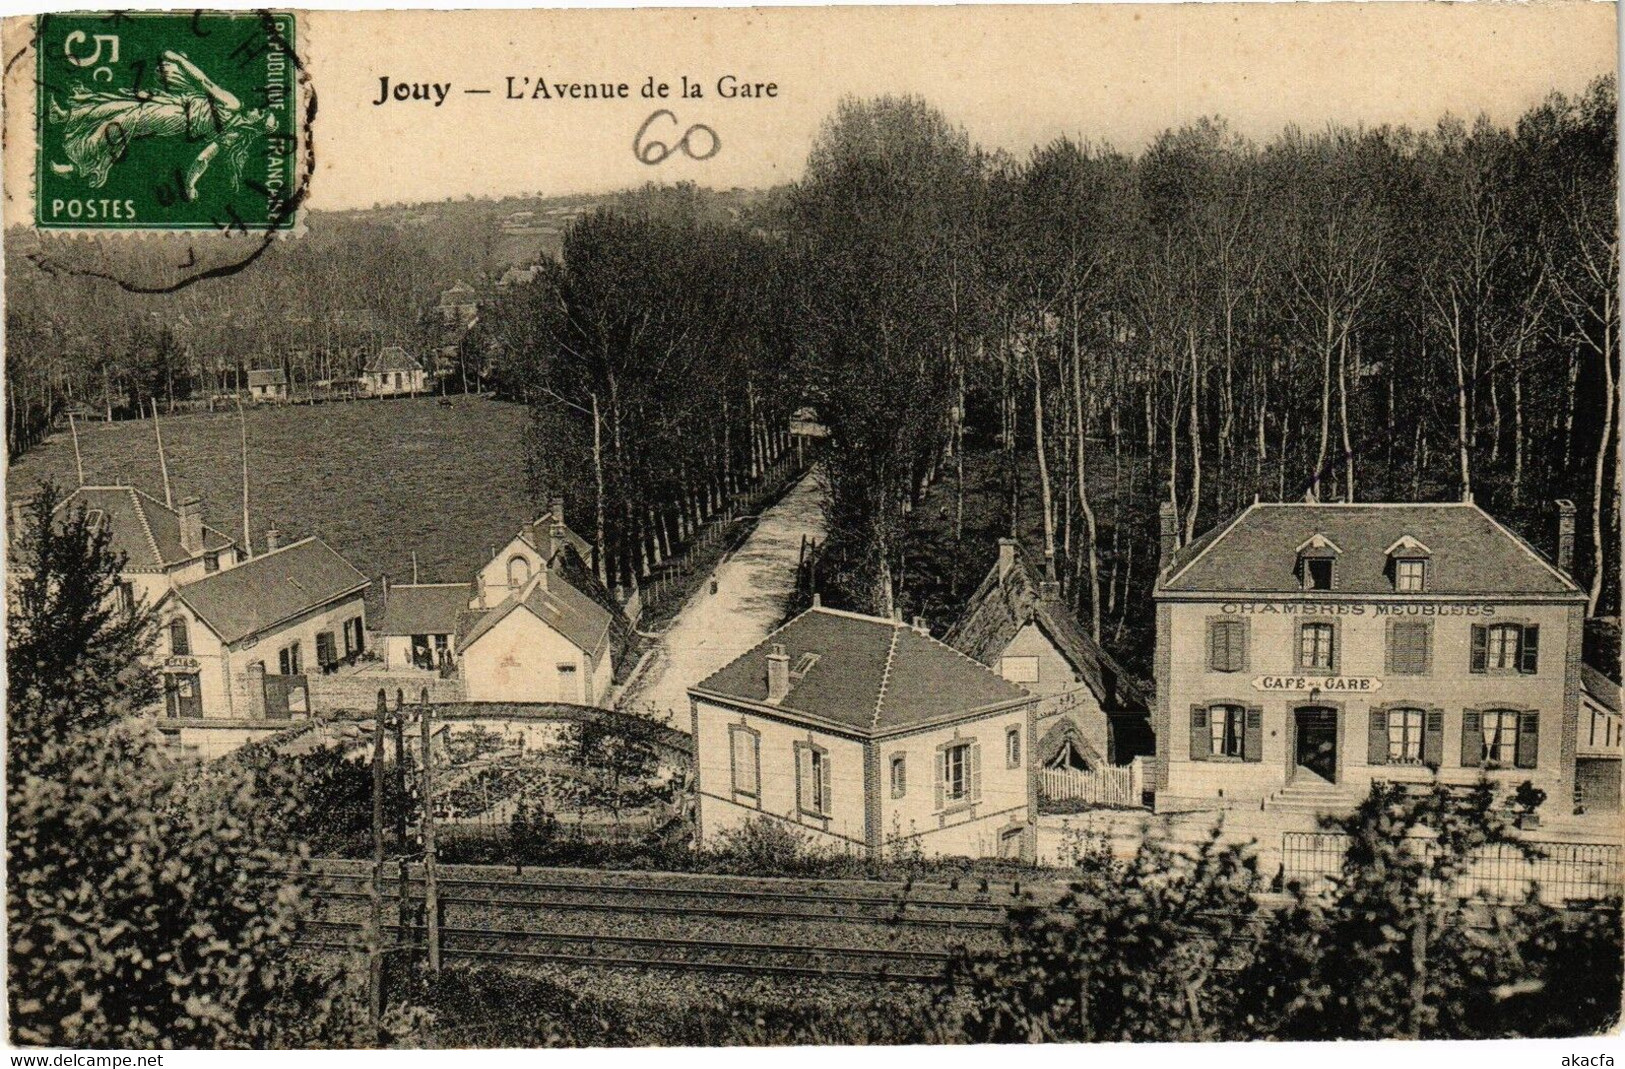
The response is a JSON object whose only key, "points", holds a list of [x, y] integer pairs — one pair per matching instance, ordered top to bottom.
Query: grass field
{"points": [[375, 479]]}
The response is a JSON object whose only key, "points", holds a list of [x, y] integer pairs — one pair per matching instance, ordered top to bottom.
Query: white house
{"points": [[393, 371], [268, 384], [419, 626], [545, 641], [238, 643], [1090, 713], [865, 733]]}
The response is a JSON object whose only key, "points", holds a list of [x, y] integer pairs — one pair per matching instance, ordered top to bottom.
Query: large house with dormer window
{"points": [[1305, 650], [867, 734]]}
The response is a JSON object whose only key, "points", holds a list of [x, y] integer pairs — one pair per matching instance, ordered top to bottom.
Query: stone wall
{"points": [[359, 691]]}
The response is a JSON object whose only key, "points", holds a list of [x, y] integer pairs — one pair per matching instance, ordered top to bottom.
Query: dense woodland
{"points": [[1340, 314], [1048, 346]]}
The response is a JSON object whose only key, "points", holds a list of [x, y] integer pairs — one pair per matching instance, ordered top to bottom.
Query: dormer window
{"points": [[1317, 561], [1408, 565], [804, 665]]}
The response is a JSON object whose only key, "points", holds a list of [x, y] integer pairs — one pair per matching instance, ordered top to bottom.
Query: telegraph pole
{"points": [[431, 892], [375, 949]]}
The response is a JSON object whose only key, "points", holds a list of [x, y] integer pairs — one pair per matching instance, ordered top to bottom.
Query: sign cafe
{"points": [[1324, 684]]}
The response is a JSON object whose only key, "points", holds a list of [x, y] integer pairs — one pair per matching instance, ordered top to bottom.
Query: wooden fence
{"points": [[1114, 785]]}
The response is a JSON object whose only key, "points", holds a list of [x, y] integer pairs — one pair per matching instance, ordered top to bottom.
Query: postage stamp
{"points": [[166, 121]]}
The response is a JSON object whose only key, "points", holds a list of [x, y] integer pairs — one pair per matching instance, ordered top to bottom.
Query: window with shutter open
{"points": [[746, 757]]}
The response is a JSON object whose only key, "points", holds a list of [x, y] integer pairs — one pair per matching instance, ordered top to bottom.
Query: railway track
{"points": [[804, 928], [649, 952]]}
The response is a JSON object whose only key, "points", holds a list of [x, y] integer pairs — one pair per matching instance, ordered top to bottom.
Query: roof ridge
{"points": [[146, 525], [1165, 580], [962, 655], [885, 678]]}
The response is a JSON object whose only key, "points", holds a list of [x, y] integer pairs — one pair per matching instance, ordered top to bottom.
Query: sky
{"points": [[1014, 77]]}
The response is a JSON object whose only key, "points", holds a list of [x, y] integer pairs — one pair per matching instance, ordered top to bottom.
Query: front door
{"points": [[182, 696], [1316, 748]]}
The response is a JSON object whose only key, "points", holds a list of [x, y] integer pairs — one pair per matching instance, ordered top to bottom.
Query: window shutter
{"points": [[1239, 632], [1424, 648], [1481, 649], [1529, 653], [1217, 655], [1390, 658], [1332, 661], [1253, 735], [1472, 736], [1433, 737], [1377, 738], [1528, 738], [1201, 741], [733, 758], [975, 772], [942, 774], [803, 776], [827, 805]]}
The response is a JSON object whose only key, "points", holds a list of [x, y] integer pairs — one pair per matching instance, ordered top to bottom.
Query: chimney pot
{"points": [[190, 513], [1169, 531], [1565, 537], [1007, 556], [818, 601], [920, 627], [778, 674]]}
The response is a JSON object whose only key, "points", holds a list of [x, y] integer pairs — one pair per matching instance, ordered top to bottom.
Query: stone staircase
{"points": [[1308, 794]]}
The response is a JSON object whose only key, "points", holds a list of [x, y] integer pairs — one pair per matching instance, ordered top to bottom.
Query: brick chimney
{"points": [[556, 508], [191, 517], [1169, 531], [528, 533], [1565, 537], [273, 539], [556, 541], [1007, 556], [920, 626], [778, 675]]}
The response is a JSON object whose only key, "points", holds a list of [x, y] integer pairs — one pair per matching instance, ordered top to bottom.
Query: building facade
{"points": [[394, 372], [268, 384], [419, 624], [543, 642], [237, 645], [1305, 650], [1089, 712], [868, 736]]}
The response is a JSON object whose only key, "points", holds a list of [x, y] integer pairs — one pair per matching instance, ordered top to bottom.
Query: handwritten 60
{"points": [[652, 151]]}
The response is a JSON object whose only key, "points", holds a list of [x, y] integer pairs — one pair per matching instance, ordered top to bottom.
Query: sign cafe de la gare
{"points": [[1381, 608]]}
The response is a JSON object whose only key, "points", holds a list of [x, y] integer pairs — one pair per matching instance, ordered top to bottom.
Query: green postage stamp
{"points": [[166, 121]]}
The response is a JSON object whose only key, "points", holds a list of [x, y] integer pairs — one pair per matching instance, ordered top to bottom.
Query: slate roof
{"points": [[391, 358], [267, 377], [144, 529], [542, 541], [1470, 553], [263, 591], [1000, 608], [424, 609], [582, 621], [872, 675], [1604, 691]]}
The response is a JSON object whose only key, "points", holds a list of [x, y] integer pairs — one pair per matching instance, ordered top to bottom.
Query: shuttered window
{"points": [[1227, 645], [1316, 647], [1506, 647], [1409, 648], [1227, 726], [1500, 733], [1405, 736], [746, 758], [959, 774], [899, 776], [812, 779]]}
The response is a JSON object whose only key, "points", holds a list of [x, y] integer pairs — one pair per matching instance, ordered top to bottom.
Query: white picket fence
{"points": [[1110, 785]]}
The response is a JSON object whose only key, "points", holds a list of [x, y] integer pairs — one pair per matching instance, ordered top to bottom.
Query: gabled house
{"points": [[392, 371], [268, 384], [419, 626], [242, 640], [545, 641], [1305, 650], [1090, 713], [865, 733], [1600, 745]]}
